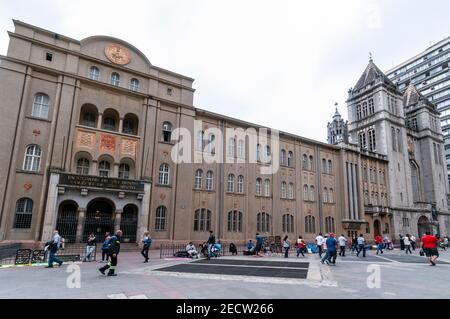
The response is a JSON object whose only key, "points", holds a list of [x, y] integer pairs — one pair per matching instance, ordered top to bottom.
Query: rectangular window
{"points": [[49, 56]]}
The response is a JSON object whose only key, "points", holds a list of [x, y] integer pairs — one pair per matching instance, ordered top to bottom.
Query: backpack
{"points": [[181, 254]]}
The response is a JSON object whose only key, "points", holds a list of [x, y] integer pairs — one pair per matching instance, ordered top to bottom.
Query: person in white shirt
{"points": [[407, 242], [413, 242], [319, 243], [342, 243], [361, 246], [191, 250]]}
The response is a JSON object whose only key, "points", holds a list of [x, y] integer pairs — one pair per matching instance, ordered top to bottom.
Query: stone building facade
{"points": [[90, 144]]}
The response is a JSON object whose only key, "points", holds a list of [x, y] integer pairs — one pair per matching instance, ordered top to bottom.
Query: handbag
{"points": [[421, 252]]}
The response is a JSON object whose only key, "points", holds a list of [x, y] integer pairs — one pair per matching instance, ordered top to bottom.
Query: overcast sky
{"points": [[282, 64]]}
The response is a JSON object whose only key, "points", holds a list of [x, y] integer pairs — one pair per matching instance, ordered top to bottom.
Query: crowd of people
{"points": [[327, 246]]}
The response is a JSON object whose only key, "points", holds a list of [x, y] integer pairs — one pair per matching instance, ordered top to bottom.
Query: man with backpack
{"points": [[147, 241], [53, 246], [113, 251]]}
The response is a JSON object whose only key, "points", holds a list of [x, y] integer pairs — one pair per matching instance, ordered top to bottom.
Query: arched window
{"points": [[94, 73], [115, 79], [134, 85], [40, 106], [88, 115], [109, 124], [130, 124], [167, 132], [394, 139], [200, 141], [212, 144], [231, 146], [241, 149], [258, 153], [267, 154], [283, 157], [290, 159], [32, 160], [304, 162], [311, 163], [83, 166], [324, 166], [330, 167], [104, 168], [124, 171], [163, 178], [198, 179], [209, 180], [415, 180], [240, 184], [230, 185], [258, 187], [267, 188], [283, 190], [291, 191], [305, 192], [311, 194], [325, 195], [331, 196], [366, 198], [24, 213], [161, 218], [202, 219], [234, 221], [263, 223], [288, 223], [310, 224], [329, 224]]}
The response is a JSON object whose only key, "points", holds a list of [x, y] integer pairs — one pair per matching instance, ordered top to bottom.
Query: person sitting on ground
{"points": [[250, 247], [233, 249], [192, 252]]}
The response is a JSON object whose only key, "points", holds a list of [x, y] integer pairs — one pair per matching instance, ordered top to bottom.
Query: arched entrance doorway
{"points": [[99, 218], [67, 221], [129, 223], [423, 225], [377, 227]]}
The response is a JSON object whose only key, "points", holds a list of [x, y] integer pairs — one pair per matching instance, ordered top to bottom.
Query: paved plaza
{"points": [[391, 275]]}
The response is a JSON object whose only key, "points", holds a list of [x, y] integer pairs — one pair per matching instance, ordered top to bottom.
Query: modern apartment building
{"points": [[429, 72]]}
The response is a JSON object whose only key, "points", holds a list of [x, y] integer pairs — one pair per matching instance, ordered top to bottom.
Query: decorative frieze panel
{"points": [[85, 139], [107, 143], [128, 148]]}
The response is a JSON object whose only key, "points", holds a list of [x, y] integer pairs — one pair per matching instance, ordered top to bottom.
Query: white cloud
{"points": [[281, 64]]}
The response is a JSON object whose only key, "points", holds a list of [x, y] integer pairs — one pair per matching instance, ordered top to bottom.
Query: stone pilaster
{"points": [[80, 224]]}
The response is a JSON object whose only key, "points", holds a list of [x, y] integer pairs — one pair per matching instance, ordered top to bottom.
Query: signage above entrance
{"points": [[101, 182]]}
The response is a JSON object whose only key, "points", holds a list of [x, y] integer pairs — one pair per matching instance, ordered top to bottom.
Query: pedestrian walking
{"points": [[211, 241], [147, 242], [407, 242], [413, 242], [319, 243], [331, 243], [354, 243], [379, 243], [402, 243], [259, 244], [342, 244], [286, 246], [301, 246], [361, 246], [429, 246], [52, 247], [90, 247], [105, 247], [324, 249], [113, 252]]}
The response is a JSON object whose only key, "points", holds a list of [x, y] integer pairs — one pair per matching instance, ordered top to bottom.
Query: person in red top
{"points": [[379, 242], [429, 246]]}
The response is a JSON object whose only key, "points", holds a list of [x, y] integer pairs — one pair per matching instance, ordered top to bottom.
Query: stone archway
{"points": [[99, 218], [67, 220], [129, 223], [423, 225], [376, 228]]}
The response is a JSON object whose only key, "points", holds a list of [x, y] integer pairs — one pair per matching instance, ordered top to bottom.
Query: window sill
{"points": [[38, 118], [107, 131], [167, 143], [29, 172], [163, 185], [204, 190], [234, 193], [262, 196], [288, 199]]}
